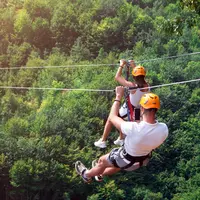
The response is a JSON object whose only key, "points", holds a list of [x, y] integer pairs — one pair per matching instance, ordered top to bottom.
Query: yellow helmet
{"points": [[139, 71], [150, 100]]}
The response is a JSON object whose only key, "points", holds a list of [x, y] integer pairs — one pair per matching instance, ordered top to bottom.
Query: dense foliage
{"points": [[43, 132]]}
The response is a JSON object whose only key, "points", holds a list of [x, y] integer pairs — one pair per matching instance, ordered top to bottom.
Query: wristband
{"points": [[121, 67], [117, 100]]}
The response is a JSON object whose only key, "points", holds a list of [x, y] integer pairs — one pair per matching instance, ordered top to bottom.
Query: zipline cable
{"points": [[168, 57], [96, 65], [53, 67], [168, 84], [58, 89], [95, 90]]}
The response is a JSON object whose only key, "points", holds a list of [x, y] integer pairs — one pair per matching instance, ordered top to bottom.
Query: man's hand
{"points": [[122, 63], [119, 91]]}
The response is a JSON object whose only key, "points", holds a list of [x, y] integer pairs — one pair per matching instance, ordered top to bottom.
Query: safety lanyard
{"points": [[127, 96]]}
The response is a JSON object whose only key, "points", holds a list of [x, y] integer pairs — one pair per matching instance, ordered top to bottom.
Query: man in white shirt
{"points": [[141, 138]]}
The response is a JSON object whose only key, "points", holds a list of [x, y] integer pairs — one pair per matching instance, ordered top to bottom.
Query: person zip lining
{"points": [[131, 105], [141, 138]]}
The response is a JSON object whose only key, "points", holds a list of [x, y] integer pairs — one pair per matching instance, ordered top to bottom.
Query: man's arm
{"points": [[113, 117]]}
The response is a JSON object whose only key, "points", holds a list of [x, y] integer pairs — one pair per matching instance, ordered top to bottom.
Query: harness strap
{"points": [[127, 97], [129, 108], [137, 113], [134, 159]]}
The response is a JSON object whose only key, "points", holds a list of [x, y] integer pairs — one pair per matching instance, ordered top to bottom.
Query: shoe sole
{"points": [[78, 164]]}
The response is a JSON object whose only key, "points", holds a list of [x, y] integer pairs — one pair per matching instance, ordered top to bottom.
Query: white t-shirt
{"points": [[135, 98], [142, 138]]}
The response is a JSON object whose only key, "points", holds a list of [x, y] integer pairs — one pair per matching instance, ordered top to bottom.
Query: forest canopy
{"points": [[47, 47]]}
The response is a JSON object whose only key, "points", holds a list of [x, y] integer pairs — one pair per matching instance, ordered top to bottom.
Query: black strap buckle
{"points": [[127, 156]]}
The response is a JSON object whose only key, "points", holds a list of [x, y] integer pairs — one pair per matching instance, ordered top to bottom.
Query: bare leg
{"points": [[107, 130], [121, 136], [101, 167], [110, 170]]}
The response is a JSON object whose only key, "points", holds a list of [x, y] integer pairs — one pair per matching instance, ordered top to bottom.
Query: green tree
{"points": [[63, 25], [22, 26], [79, 52], [18, 55], [16, 127], [109, 191]]}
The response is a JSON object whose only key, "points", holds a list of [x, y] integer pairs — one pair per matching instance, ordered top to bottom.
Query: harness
{"points": [[129, 105], [133, 113], [125, 156], [134, 159]]}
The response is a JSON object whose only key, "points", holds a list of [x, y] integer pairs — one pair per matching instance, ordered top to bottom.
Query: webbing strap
{"points": [[127, 96], [130, 109], [133, 159]]}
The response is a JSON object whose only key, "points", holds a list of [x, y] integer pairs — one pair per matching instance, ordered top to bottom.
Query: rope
{"points": [[96, 65], [96, 90]]}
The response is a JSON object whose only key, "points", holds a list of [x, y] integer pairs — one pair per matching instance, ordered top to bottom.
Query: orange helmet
{"points": [[139, 71], [150, 100]]}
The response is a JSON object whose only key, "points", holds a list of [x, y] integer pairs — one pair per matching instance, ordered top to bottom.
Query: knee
{"points": [[102, 161]]}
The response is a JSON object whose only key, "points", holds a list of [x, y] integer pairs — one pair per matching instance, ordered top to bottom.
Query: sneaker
{"points": [[119, 142], [100, 143], [80, 169], [98, 178]]}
